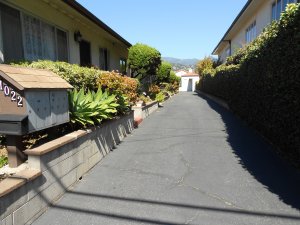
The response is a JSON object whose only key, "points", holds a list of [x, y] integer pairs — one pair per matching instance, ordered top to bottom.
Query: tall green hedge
{"points": [[261, 82]]}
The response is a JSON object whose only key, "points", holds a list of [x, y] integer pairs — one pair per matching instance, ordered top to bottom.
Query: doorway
{"points": [[85, 53], [190, 85]]}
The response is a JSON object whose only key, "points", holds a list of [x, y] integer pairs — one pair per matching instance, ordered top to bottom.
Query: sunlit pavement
{"points": [[190, 162]]}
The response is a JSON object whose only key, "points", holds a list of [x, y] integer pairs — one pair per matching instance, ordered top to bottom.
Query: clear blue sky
{"points": [[177, 28]]}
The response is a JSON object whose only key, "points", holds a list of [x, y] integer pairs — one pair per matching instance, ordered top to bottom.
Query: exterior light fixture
{"points": [[77, 36]]}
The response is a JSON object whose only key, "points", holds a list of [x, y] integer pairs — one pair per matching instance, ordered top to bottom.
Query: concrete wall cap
{"points": [[17, 180]]}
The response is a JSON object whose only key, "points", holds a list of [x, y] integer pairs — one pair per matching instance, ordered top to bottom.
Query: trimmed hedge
{"points": [[79, 77], [90, 78], [261, 82]]}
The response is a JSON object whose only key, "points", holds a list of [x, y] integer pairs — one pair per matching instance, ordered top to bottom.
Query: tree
{"points": [[143, 60], [205, 64], [163, 73], [174, 78]]}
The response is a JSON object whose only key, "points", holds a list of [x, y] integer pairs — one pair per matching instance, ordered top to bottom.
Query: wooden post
{"points": [[15, 149]]}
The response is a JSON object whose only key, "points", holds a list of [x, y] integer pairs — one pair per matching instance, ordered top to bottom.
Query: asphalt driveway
{"points": [[190, 162]]}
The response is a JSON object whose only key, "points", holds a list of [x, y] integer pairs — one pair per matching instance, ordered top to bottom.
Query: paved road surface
{"points": [[191, 162]]}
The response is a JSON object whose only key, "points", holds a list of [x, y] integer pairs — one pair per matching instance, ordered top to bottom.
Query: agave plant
{"points": [[90, 108]]}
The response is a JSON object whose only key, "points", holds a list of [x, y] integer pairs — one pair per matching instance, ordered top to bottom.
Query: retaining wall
{"points": [[142, 112], [54, 167]]}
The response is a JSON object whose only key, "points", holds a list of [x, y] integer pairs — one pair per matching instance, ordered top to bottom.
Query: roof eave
{"points": [[83, 11], [232, 25]]}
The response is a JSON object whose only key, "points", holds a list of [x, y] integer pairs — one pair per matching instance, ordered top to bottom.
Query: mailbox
{"points": [[30, 100]]}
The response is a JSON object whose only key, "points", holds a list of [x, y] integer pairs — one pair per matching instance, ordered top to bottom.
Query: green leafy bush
{"points": [[143, 60], [164, 72], [79, 77], [173, 78], [262, 82], [124, 88], [172, 88], [160, 97], [145, 99], [91, 108], [3, 161]]}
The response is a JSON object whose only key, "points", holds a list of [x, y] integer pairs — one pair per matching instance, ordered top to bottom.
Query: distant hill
{"points": [[186, 62], [181, 64]]}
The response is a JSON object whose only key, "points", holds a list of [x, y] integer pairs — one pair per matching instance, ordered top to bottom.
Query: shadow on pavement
{"points": [[258, 157]]}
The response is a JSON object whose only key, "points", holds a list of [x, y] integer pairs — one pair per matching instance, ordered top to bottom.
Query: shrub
{"points": [[143, 60], [206, 63], [163, 72], [79, 77], [174, 78], [262, 82], [119, 85], [172, 87], [153, 91], [160, 97], [145, 98], [91, 108], [3, 161]]}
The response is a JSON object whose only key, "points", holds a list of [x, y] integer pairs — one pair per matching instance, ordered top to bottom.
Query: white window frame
{"points": [[274, 3], [22, 11], [41, 20], [251, 32], [122, 59]]}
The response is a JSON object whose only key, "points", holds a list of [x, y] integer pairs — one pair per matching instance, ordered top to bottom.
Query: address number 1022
{"points": [[9, 92]]}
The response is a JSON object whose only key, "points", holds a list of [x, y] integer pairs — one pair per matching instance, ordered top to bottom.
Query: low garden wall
{"points": [[142, 112], [55, 166]]}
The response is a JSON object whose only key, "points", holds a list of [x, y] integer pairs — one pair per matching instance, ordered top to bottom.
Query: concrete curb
{"points": [[217, 100]]}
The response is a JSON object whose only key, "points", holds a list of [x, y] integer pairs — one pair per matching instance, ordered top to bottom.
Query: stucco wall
{"points": [[59, 14], [262, 16], [185, 81]]}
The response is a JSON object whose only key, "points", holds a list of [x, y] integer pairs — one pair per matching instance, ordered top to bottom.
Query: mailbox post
{"points": [[30, 100]]}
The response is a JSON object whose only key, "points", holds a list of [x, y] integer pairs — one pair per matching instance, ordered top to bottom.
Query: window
{"points": [[278, 6], [10, 28], [251, 32], [26, 37], [43, 41], [62, 45], [228, 51], [103, 59], [123, 66]]}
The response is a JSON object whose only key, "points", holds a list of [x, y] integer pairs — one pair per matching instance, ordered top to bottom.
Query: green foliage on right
{"points": [[143, 60], [204, 64], [261, 82], [91, 108]]}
